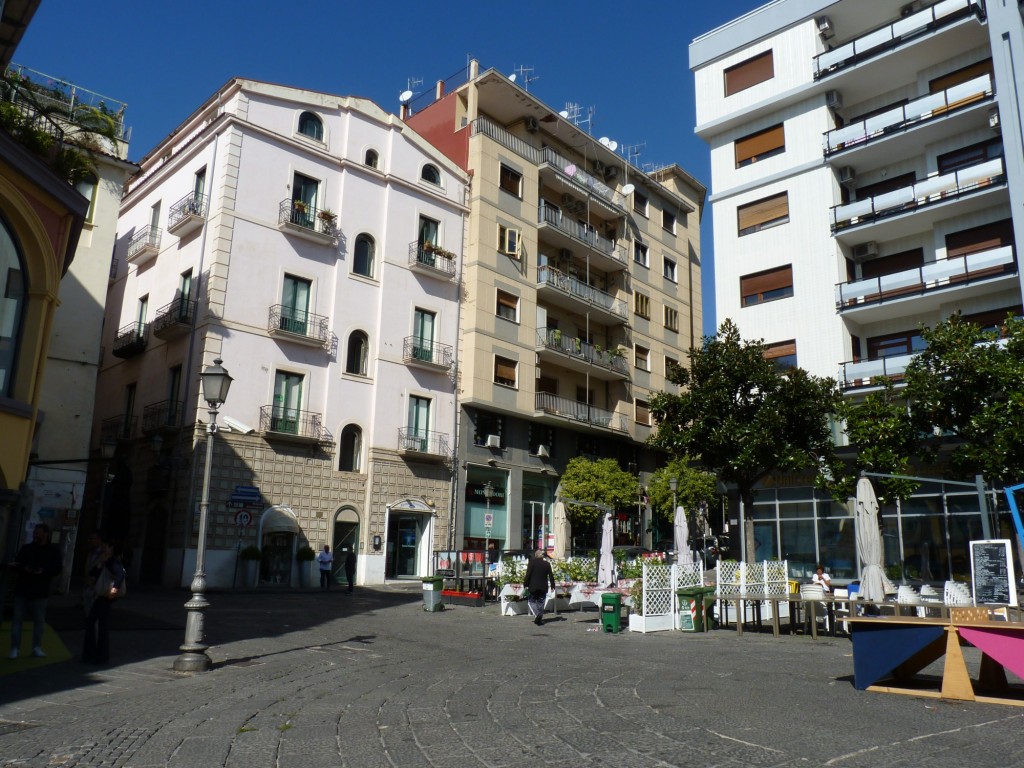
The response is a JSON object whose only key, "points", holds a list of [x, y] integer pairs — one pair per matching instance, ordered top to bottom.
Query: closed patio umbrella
{"points": [[562, 531], [681, 538], [606, 562], [874, 584]]}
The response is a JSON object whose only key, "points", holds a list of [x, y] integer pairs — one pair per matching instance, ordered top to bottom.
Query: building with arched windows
{"points": [[313, 243]]}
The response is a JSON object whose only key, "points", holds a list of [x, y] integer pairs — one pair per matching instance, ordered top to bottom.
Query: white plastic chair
{"points": [[813, 596]]}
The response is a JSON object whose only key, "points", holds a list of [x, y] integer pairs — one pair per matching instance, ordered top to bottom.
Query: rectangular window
{"points": [[749, 73], [956, 77], [760, 145], [968, 156], [511, 181], [199, 185], [886, 185], [87, 188], [304, 196], [640, 203], [762, 214], [668, 222], [428, 231], [978, 239], [508, 241], [640, 254], [893, 263], [669, 269], [185, 286], [765, 286], [295, 304], [642, 305], [507, 306], [140, 319], [672, 319], [995, 319], [894, 344], [782, 353], [642, 358], [671, 365], [505, 371], [547, 384], [584, 395], [286, 412], [642, 412], [173, 416], [486, 424], [418, 425]]}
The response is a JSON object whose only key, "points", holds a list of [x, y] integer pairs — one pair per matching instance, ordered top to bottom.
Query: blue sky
{"points": [[627, 60]]}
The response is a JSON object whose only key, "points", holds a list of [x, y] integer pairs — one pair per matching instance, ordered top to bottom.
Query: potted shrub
{"points": [[327, 218], [305, 555], [250, 557]]}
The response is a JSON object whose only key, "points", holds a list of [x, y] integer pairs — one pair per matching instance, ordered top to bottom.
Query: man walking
{"points": [[34, 568], [536, 580]]}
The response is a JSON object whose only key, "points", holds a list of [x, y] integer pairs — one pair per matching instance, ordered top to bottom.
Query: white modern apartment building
{"points": [[867, 177], [312, 243]]}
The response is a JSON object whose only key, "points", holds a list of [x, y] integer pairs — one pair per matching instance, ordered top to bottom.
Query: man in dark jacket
{"points": [[34, 568], [535, 582]]}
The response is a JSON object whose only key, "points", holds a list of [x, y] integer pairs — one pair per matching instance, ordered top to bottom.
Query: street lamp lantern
{"points": [[108, 448], [193, 658]]}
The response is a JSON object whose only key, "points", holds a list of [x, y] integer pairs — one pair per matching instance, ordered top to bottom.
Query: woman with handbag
{"points": [[109, 586]]}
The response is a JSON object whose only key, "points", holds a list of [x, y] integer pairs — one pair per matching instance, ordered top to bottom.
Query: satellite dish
{"points": [[512, 78], [405, 97], [564, 113], [604, 140], [612, 145], [628, 189]]}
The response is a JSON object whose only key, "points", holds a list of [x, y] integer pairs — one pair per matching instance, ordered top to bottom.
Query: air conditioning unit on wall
{"points": [[825, 28], [833, 99], [847, 176], [865, 251], [494, 441]]}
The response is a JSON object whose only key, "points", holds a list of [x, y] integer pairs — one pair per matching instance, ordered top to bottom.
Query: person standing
{"points": [[93, 558], [326, 560], [34, 567], [350, 569], [536, 581], [108, 586]]}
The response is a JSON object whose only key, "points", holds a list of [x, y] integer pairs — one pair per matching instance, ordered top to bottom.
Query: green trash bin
{"points": [[432, 586], [691, 608], [611, 612]]}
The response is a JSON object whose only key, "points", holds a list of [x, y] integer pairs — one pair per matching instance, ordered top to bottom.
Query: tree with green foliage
{"points": [[967, 398], [742, 417], [602, 482], [695, 487]]}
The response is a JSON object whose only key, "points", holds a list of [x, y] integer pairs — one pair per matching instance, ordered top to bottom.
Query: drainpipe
{"points": [[453, 485]]}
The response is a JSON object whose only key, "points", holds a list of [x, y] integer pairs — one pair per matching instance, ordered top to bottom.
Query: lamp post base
{"points": [[193, 656], [189, 663]]}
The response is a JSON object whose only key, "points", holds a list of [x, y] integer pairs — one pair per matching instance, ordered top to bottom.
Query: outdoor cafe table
{"points": [[740, 604], [901, 646]]}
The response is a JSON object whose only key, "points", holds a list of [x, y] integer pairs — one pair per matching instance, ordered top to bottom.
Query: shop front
{"points": [[278, 536], [408, 545]]}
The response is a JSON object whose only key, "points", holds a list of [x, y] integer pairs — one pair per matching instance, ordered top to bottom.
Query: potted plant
{"points": [[327, 218], [305, 555], [250, 557]]}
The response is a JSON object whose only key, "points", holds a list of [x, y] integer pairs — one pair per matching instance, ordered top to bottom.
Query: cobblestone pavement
{"points": [[312, 679]]}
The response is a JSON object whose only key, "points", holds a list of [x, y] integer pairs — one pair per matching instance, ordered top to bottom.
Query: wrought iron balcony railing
{"points": [[191, 207], [300, 214], [584, 234], [144, 244], [432, 257], [548, 275], [180, 314], [298, 322], [131, 340], [555, 340], [417, 350], [581, 412], [167, 414], [303, 425], [118, 428], [411, 440]]}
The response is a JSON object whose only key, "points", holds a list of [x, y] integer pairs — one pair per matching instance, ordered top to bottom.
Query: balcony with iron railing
{"points": [[906, 31], [64, 100], [933, 108], [572, 175], [931, 191], [187, 215], [318, 225], [572, 234], [144, 245], [432, 260], [554, 283], [866, 297], [174, 319], [299, 326], [131, 340], [425, 353], [576, 354], [860, 374], [563, 407], [164, 415], [293, 425], [118, 428], [424, 444]]}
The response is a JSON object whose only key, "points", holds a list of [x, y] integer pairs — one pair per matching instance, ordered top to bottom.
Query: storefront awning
{"points": [[279, 520]]}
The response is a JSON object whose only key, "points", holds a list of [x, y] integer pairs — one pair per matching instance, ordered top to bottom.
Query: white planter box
{"points": [[513, 607], [645, 624]]}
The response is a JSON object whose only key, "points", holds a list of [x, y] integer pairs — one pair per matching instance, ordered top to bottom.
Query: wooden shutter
{"points": [[749, 73], [960, 76], [761, 144], [886, 185], [753, 216], [977, 239], [896, 262], [766, 282], [509, 303], [779, 349], [504, 370], [643, 412]]}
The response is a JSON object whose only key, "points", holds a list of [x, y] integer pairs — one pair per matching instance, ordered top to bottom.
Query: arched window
{"points": [[311, 125], [371, 158], [431, 174], [363, 262], [12, 304], [358, 353], [350, 457]]}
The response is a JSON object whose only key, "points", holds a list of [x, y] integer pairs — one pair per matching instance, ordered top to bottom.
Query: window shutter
{"points": [[749, 73], [761, 144], [753, 216], [979, 239], [766, 282], [504, 369]]}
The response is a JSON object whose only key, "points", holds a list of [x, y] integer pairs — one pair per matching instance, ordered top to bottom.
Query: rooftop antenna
{"points": [[526, 73], [413, 83], [572, 113], [632, 151]]}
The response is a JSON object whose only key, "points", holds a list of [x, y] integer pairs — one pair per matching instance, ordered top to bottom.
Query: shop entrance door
{"points": [[536, 526], [346, 539], [403, 543], [276, 565]]}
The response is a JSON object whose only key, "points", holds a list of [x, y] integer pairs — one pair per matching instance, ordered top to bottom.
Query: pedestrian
{"points": [[93, 557], [326, 560], [34, 568], [350, 569], [821, 577], [536, 580], [108, 586]]}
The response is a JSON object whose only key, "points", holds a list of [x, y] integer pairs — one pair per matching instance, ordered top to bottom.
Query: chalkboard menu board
{"points": [[992, 572]]}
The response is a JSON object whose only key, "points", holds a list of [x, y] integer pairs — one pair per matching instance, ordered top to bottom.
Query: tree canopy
{"points": [[602, 482], [694, 488]]}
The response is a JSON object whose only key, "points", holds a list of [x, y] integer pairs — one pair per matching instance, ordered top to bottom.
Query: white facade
{"points": [[892, 222], [282, 295]]}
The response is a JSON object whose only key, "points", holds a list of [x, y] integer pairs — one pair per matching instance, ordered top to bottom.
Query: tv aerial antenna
{"points": [[525, 75], [406, 96], [573, 111], [632, 151]]}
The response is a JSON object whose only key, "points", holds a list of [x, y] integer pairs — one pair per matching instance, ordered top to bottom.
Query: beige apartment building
{"points": [[580, 290]]}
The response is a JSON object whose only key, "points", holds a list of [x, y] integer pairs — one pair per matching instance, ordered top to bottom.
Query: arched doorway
{"points": [[279, 533], [410, 533], [345, 539]]}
